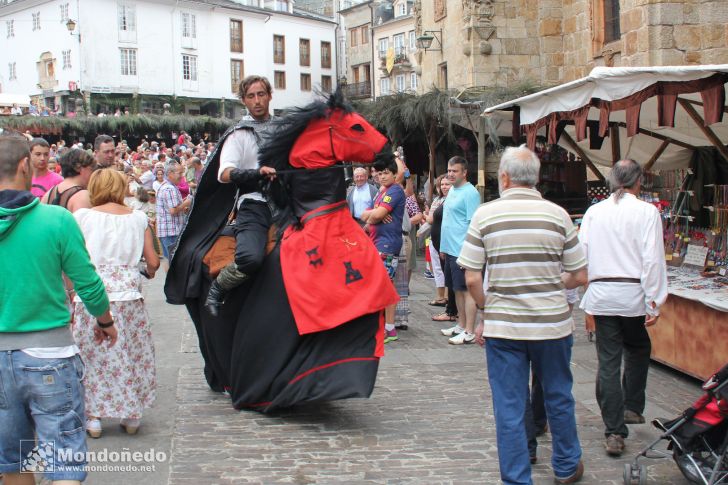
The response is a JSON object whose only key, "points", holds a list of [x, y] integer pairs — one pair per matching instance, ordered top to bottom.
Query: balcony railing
{"points": [[358, 90]]}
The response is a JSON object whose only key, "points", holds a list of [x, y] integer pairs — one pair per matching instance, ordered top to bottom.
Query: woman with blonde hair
{"points": [[120, 380]]}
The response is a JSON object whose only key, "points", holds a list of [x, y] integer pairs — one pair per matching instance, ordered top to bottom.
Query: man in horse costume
{"points": [[308, 326]]}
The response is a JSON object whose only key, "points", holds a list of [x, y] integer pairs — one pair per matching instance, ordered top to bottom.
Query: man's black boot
{"points": [[230, 277], [215, 298]]}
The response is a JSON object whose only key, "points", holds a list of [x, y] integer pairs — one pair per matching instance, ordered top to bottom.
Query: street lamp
{"points": [[71, 26], [424, 41]]}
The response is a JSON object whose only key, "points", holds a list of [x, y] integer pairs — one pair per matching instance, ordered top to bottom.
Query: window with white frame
{"points": [[280, 5], [401, 9], [64, 12], [126, 15], [36, 21], [10, 24], [189, 25], [412, 41], [383, 46], [399, 48], [66, 59], [128, 62], [189, 67], [12, 73], [413, 81], [399, 83], [384, 86]]}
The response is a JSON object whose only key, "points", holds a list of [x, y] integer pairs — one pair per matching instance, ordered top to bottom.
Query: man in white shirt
{"points": [[239, 165], [147, 176], [622, 236]]}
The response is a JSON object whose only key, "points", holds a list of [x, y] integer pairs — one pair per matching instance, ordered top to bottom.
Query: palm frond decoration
{"points": [[139, 125]]}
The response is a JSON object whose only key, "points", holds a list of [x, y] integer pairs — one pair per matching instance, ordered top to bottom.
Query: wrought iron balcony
{"points": [[358, 90]]}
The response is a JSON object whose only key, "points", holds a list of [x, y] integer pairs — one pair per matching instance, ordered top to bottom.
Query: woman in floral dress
{"points": [[120, 381]]}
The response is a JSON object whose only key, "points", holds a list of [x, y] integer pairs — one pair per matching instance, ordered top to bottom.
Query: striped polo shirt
{"points": [[525, 241]]}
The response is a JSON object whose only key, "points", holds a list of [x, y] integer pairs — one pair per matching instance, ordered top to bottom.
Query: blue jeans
{"points": [[167, 243], [509, 362], [42, 397]]}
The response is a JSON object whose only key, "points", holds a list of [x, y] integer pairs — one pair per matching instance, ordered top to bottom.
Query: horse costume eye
{"points": [[358, 127]]}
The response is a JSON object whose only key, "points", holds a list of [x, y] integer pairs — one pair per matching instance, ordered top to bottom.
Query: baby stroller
{"points": [[698, 438]]}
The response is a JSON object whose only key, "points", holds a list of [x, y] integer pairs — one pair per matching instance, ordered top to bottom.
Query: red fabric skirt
{"points": [[332, 271]]}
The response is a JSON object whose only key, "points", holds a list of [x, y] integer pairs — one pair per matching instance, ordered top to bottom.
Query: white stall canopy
{"points": [[9, 99], [654, 115]]}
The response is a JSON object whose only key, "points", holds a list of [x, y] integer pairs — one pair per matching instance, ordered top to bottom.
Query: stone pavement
{"points": [[429, 420]]}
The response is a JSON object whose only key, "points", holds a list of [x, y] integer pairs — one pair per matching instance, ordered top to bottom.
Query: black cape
{"points": [[253, 348]]}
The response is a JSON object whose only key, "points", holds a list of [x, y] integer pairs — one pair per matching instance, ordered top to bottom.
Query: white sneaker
{"points": [[454, 330], [462, 338], [93, 427]]}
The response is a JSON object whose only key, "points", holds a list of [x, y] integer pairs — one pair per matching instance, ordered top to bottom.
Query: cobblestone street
{"points": [[429, 420]]}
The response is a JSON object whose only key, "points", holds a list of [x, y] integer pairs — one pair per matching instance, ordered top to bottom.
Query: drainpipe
{"points": [[371, 64]]}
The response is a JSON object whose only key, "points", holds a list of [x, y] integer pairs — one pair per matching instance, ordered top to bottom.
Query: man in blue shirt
{"points": [[361, 195], [461, 202], [384, 224]]}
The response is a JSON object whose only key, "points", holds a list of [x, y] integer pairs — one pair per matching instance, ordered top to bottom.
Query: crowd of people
{"points": [[504, 272]]}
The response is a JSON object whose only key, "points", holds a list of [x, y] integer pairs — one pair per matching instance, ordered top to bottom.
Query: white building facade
{"points": [[150, 52]]}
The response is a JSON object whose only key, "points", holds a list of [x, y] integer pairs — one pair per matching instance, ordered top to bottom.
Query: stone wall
{"points": [[666, 33], [548, 42]]}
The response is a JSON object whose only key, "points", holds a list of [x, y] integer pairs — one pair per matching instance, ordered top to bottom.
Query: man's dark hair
{"points": [[249, 81], [101, 139], [38, 142], [13, 148], [74, 160], [458, 160], [390, 164]]}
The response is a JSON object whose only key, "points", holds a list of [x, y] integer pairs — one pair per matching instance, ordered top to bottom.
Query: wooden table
{"points": [[690, 337]]}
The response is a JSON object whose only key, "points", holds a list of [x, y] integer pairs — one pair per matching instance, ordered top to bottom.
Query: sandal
{"points": [[437, 302], [444, 317]]}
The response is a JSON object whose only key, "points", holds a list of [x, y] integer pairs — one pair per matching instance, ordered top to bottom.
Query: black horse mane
{"points": [[284, 131]]}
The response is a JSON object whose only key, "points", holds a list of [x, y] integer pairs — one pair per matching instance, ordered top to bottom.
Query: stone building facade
{"points": [[547, 42], [359, 49]]}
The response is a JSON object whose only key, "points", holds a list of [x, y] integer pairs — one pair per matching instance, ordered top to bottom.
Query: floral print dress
{"points": [[120, 381]]}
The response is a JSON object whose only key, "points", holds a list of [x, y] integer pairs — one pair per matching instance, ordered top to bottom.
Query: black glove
{"points": [[246, 180]]}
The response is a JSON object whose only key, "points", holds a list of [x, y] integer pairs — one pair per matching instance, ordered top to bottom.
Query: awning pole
{"points": [[709, 134], [583, 155], [656, 155]]}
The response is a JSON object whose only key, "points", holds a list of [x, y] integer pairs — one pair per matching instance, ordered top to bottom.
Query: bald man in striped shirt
{"points": [[524, 318]]}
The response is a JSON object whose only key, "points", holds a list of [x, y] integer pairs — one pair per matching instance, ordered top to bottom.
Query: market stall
{"points": [[670, 120]]}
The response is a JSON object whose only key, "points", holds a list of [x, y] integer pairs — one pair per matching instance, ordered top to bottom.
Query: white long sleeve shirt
{"points": [[624, 240]]}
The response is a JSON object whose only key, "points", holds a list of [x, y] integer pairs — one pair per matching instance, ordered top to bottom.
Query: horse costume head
{"points": [[320, 135], [311, 140]]}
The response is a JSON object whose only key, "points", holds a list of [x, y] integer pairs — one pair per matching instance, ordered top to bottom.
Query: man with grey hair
{"points": [[146, 178], [361, 195], [171, 209], [622, 236], [524, 318]]}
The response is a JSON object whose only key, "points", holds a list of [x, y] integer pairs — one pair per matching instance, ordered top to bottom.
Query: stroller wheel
{"points": [[627, 475], [643, 475]]}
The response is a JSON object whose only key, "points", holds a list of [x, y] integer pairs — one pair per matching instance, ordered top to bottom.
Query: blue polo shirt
{"points": [[460, 204], [388, 237]]}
